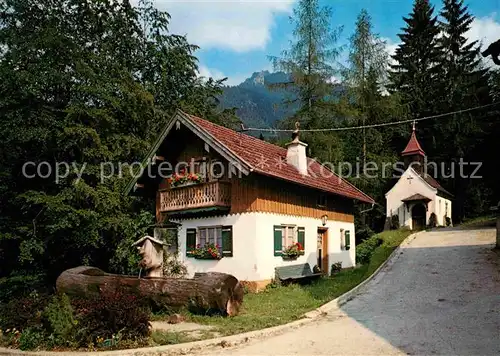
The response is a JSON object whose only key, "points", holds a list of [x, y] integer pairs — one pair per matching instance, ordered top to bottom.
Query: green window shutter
{"points": [[278, 236], [301, 236], [347, 240], [190, 241], [227, 241]]}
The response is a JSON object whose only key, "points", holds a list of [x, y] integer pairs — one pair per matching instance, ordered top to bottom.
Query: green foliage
{"points": [[309, 62], [416, 67], [85, 83], [395, 222], [365, 249], [172, 266], [336, 268], [20, 286], [61, 323], [169, 337], [31, 338]]}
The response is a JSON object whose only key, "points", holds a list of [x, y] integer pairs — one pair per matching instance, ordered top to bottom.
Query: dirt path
{"points": [[440, 296]]}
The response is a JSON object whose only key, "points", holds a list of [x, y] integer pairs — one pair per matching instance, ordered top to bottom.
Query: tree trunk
{"points": [[207, 292]]}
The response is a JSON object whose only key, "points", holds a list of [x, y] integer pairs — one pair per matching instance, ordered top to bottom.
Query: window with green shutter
{"points": [[301, 236], [347, 240], [190, 241], [227, 241], [278, 243]]}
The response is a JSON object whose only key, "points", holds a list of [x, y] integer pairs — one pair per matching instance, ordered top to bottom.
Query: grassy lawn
{"points": [[481, 221], [281, 305]]}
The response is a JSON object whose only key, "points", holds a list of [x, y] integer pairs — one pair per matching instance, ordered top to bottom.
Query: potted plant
{"points": [[182, 179], [209, 251], [293, 251]]}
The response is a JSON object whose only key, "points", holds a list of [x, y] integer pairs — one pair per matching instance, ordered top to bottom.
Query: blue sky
{"points": [[236, 36]]}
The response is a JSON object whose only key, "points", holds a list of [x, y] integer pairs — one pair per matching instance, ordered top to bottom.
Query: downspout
{"points": [[364, 211]]}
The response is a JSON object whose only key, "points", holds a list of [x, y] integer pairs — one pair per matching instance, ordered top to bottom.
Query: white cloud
{"points": [[225, 24], [485, 30], [390, 48], [204, 71]]}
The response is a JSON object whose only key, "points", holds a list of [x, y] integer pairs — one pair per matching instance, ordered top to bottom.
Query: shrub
{"points": [[433, 220], [448, 221], [395, 222], [364, 233], [365, 249], [172, 266], [336, 267], [21, 286], [23, 312], [109, 315], [59, 321], [31, 338]]}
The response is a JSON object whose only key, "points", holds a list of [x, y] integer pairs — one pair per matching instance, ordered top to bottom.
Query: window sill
{"points": [[294, 257], [207, 258]]}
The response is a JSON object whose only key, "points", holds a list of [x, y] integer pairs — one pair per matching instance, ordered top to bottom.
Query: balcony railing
{"points": [[211, 194]]}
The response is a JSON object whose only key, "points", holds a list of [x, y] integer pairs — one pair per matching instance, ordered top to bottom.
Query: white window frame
{"points": [[206, 228], [284, 235], [342, 240]]}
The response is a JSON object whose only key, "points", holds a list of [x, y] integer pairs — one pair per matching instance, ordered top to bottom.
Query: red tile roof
{"points": [[413, 147], [268, 159], [434, 183]]}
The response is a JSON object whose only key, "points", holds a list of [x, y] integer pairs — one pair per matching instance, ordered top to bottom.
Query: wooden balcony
{"points": [[204, 195]]}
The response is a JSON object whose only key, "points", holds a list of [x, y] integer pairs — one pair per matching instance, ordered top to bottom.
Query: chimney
{"points": [[296, 152]]}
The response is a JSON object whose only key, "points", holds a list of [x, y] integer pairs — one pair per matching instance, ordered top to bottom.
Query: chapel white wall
{"points": [[403, 189]]}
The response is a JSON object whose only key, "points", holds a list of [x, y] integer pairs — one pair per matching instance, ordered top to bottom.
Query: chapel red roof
{"points": [[413, 147], [268, 159]]}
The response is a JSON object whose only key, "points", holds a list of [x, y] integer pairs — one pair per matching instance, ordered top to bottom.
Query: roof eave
{"points": [[205, 136]]}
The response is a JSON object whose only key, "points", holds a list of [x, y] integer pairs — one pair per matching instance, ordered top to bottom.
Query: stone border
{"points": [[233, 340]]}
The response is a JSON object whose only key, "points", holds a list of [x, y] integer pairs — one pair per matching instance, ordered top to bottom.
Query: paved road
{"points": [[441, 296]]}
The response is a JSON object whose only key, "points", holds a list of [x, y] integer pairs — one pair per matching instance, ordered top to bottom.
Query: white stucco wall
{"points": [[403, 189], [442, 208], [253, 244]]}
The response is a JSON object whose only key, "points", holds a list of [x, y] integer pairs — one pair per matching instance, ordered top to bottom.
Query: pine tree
{"points": [[309, 61], [367, 67], [416, 69], [465, 85]]}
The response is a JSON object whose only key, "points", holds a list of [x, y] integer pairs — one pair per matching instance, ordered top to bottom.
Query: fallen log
{"points": [[206, 292]]}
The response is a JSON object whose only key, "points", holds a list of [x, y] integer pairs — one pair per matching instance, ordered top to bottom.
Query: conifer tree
{"points": [[309, 61], [416, 69]]}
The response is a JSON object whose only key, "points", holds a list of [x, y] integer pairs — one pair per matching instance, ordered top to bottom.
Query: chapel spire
{"points": [[413, 147], [413, 154]]}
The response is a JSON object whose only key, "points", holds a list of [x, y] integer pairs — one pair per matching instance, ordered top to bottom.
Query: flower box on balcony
{"points": [[184, 179]]}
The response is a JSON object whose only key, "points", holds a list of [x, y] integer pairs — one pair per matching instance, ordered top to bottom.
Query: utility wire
{"points": [[374, 125]]}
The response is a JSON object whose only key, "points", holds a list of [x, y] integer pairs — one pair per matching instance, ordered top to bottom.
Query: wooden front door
{"points": [[418, 213], [322, 250]]}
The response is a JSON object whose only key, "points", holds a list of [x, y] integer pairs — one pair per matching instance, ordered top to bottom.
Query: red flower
{"points": [[299, 246]]}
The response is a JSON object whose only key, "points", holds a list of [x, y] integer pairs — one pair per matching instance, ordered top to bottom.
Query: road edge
{"points": [[233, 340]]}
